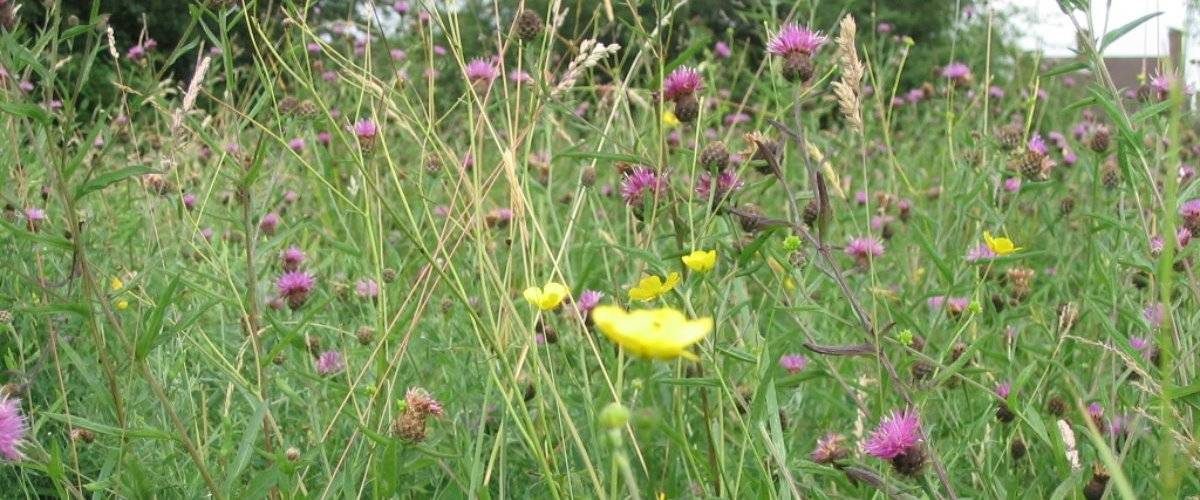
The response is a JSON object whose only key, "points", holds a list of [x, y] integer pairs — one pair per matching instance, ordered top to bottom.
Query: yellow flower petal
{"points": [[999, 246], [700, 261], [116, 284], [547, 297], [663, 333]]}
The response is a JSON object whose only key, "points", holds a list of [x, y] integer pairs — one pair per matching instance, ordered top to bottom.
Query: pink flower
{"points": [[400, 7], [884, 27], [794, 39], [722, 50], [398, 54], [957, 71], [481, 72], [521, 77], [683, 82], [995, 92], [732, 119], [365, 129], [324, 138], [296, 144], [1038, 145], [639, 183], [726, 183], [1012, 184], [189, 201], [1190, 210], [34, 218], [269, 223], [1183, 236], [864, 249], [981, 252], [292, 258], [295, 287], [367, 288], [587, 301], [1154, 313], [1139, 343], [330, 362], [793, 363], [1003, 389], [420, 401], [12, 428], [895, 435], [829, 449]]}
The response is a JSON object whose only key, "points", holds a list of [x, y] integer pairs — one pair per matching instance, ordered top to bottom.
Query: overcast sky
{"points": [[1047, 28]]}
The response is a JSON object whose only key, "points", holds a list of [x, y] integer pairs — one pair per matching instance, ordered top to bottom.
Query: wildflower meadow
{"points": [[590, 249]]}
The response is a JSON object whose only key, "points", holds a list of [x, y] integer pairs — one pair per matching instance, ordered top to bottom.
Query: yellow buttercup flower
{"points": [[669, 119], [999, 246], [701, 261], [116, 284], [653, 287], [547, 297], [122, 304], [663, 333]]}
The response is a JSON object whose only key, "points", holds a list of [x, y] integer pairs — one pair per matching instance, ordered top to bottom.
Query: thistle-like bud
{"points": [[528, 25]]}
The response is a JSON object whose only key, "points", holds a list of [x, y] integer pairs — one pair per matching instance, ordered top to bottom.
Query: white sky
{"points": [[1044, 26]]}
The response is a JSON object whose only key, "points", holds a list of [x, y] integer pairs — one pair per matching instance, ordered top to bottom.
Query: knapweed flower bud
{"points": [[527, 25], [1100, 139], [714, 156], [269, 223], [365, 335], [614, 416], [81, 435], [830, 449], [292, 454], [1094, 489]]}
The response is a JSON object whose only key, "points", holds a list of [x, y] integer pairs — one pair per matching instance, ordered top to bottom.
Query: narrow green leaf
{"points": [[1113, 35], [1064, 68], [26, 110], [103, 181], [154, 324]]}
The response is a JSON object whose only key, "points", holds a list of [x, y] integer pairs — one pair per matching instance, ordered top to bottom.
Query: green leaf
{"points": [[75, 31], [1113, 35], [1064, 68], [26, 110], [108, 179], [21, 233], [154, 324], [108, 430], [253, 430]]}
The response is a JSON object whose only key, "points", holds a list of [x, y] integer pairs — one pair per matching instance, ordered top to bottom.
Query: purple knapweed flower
{"points": [[400, 7], [884, 27], [795, 39], [722, 50], [398, 54], [481, 72], [957, 72], [520, 77], [681, 83], [995, 92], [732, 119], [366, 131], [296, 144], [1038, 145], [639, 183], [1012, 184], [720, 187], [189, 201], [34, 218], [269, 223], [864, 249], [981, 252], [292, 258], [295, 287], [366, 288], [587, 301], [1154, 313], [1139, 343], [329, 363], [793, 363], [1003, 389], [12, 428], [896, 435], [829, 449]]}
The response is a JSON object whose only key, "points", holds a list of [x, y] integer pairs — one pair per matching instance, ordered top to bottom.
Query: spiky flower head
{"points": [[795, 39], [796, 45], [481, 72], [957, 72], [683, 82], [639, 183], [718, 188], [864, 249], [292, 258], [295, 287], [366, 288], [587, 301], [330, 362], [793, 363], [1003, 389], [420, 401], [12, 428], [896, 435], [829, 449]]}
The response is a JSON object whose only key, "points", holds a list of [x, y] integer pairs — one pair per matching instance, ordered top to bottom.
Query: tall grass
{"points": [[155, 351]]}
